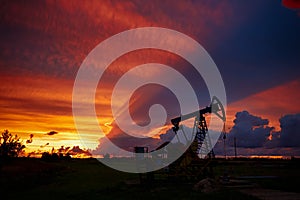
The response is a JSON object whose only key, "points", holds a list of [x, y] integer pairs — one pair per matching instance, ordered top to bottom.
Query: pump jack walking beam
{"points": [[215, 107]]}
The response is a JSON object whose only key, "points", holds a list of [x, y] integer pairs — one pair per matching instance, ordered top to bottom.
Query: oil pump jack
{"points": [[200, 124], [190, 164]]}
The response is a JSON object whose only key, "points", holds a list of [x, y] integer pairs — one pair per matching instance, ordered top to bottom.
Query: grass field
{"points": [[29, 178]]}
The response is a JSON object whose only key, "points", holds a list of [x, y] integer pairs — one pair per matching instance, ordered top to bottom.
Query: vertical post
{"points": [[224, 139], [235, 154]]}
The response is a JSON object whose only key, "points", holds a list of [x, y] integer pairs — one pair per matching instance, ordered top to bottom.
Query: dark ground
{"points": [[30, 178]]}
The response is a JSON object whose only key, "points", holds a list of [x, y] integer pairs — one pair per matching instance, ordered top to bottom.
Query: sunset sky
{"points": [[255, 45]]}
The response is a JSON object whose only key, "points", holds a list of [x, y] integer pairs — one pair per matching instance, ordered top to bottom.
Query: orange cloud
{"points": [[64, 32], [37, 105]]}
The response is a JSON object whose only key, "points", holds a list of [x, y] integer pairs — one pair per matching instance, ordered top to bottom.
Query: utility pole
{"points": [[224, 140], [234, 140]]}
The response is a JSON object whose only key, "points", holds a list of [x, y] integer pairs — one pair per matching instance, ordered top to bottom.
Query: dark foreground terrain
{"points": [[30, 178]]}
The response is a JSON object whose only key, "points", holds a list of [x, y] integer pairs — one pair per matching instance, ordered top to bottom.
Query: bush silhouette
{"points": [[10, 145]]}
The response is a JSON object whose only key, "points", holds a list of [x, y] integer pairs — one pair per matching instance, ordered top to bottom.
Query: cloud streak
{"points": [[52, 133]]}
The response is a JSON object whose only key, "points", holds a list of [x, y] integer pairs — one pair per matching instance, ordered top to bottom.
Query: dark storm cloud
{"points": [[249, 130], [290, 131], [251, 134], [289, 134]]}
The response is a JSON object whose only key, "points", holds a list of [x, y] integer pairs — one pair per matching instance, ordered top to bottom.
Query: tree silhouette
{"points": [[10, 145]]}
